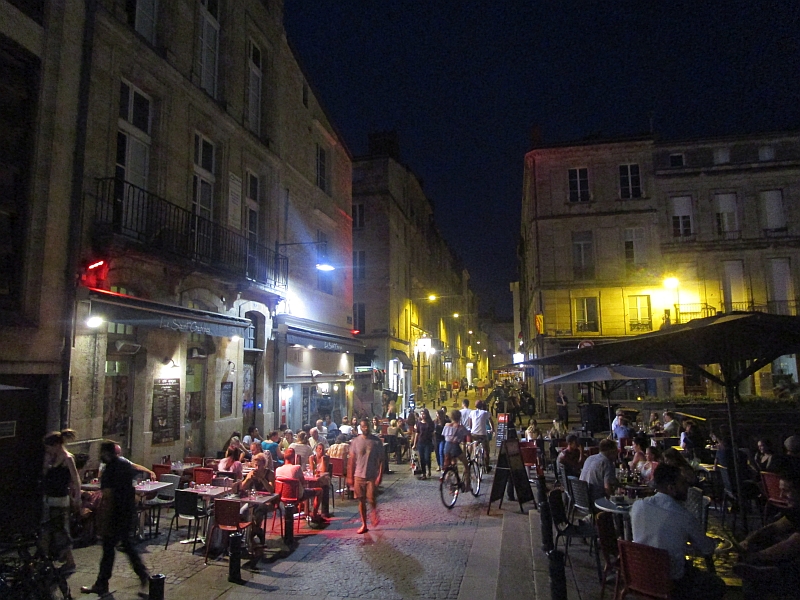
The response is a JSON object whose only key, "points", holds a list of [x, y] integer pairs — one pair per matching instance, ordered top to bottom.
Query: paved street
{"points": [[420, 549]]}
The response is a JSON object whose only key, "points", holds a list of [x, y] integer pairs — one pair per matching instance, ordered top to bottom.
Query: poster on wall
{"points": [[226, 399], [166, 422]]}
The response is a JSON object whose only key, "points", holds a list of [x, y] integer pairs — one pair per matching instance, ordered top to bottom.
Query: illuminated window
{"points": [[586, 316], [639, 318]]}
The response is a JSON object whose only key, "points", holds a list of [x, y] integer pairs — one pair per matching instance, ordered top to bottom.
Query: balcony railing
{"points": [[162, 226], [734, 234], [687, 312], [641, 325], [587, 326]]}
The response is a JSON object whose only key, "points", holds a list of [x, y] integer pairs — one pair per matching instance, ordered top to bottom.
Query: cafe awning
{"points": [[138, 312], [323, 341], [403, 358]]}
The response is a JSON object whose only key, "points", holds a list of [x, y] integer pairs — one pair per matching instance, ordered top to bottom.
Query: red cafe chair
{"points": [[202, 475], [644, 571]]}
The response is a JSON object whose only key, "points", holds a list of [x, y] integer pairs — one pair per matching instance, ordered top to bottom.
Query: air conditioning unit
{"points": [[124, 347], [197, 353]]}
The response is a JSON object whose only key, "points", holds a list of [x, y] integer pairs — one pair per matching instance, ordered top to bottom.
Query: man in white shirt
{"points": [[465, 411], [479, 423], [320, 425], [671, 427], [315, 438], [599, 471], [662, 522]]}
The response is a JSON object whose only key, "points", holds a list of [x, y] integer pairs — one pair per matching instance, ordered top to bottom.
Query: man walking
{"points": [[364, 472], [118, 509]]}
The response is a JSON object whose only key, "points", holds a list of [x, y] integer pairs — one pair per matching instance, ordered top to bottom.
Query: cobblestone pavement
{"points": [[420, 549]]}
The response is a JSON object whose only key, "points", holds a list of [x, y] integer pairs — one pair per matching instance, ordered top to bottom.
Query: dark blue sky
{"points": [[464, 83]]}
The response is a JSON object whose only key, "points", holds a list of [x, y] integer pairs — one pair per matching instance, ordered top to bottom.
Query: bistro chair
{"points": [[530, 457], [193, 460], [211, 463], [162, 469], [339, 470], [202, 475], [289, 490], [772, 492], [164, 499], [581, 500], [697, 504], [186, 507], [226, 518], [568, 530], [607, 538], [644, 570]]}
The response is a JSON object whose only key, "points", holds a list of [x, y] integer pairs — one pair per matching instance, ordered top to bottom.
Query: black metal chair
{"points": [[164, 499], [186, 507], [568, 530]]}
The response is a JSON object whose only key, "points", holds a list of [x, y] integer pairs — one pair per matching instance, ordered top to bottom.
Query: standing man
{"points": [[562, 405], [671, 427], [364, 472], [117, 513], [661, 521]]}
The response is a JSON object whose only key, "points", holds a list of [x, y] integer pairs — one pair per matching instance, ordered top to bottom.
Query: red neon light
{"points": [[99, 263], [355, 331]]}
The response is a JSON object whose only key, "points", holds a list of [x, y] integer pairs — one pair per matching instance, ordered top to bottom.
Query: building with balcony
{"points": [[187, 185], [621, 237], [413, 306]]}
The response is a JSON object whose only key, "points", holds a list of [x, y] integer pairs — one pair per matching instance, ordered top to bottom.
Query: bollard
{"points": [[288, 524], [547, 526], [235, 553], [558, 575], [156, 587]]}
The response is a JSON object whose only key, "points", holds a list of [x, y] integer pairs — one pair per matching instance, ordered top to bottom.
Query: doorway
{"points": [[195, 411]]}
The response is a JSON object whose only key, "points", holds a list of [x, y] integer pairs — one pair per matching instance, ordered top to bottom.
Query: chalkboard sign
{"points": [[226, 399], [166, 411], [502, 428], [510, 468]]}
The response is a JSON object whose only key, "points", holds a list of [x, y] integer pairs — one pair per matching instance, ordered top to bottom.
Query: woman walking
{"points": [[441, 420], [423, 442], [62, 491]]}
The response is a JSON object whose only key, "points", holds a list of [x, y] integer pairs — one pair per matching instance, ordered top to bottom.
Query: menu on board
{"points": [[166, 422], [502, 429]]}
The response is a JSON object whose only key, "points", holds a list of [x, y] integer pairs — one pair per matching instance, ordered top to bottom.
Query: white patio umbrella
{"points": [[603, 375]]}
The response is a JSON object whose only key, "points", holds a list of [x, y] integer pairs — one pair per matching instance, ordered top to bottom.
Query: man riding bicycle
{"points": [[478, 424], [454, 434]]}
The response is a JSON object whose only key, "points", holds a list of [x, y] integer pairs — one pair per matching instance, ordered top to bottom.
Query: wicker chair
{"points": [[644, 570]]}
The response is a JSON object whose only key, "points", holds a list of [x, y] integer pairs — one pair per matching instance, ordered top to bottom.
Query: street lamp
{"points": [[322, 265]]}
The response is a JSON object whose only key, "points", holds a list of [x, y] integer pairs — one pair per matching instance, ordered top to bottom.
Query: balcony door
{"points": [[133, 161], [203, 197], [734, 287]]}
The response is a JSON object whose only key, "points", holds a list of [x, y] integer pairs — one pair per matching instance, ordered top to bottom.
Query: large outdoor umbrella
{"points": [[741, 343], [608, 378]]}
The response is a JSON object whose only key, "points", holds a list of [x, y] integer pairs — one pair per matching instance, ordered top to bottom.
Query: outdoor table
{"points": [[707, 467], [181, 468], [312, 481], [94, 486], [145, 487], [637, 491], [206, 492], [258, 499], [621, 512]]}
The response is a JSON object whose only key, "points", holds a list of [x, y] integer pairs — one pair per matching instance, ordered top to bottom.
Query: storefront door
{"points": [[195, 411]]}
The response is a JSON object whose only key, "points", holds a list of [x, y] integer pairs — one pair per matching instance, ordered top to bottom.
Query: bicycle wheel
{"points": [[475, 477], [449, 487]]}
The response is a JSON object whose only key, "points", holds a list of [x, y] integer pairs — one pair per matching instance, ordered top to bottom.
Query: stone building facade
{"points": [[621, 237], [416, 344]]}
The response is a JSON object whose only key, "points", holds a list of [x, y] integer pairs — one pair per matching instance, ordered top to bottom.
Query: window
{"points": [[142, 17], [208, 46], [254, 90], [766, 153], [133, 156], [722, 156], [676, 160], [322, 168], [630, 183], [579, 185], [203, 193], [725, 207], [358, 216], [681, 216], [774, 217], [251, 223], [635, 249], [582, 255], [359, 264], [324, 278], [733, 286], [781, 290], [586, 314], [360, 317], [639, 317], [121, 328], [254, 336]]}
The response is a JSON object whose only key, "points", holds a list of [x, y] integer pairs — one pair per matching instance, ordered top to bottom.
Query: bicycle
{"points": [[451, 484], [26, 573]]}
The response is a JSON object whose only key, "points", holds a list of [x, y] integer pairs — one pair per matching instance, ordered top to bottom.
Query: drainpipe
{"points": [[76, 208]]}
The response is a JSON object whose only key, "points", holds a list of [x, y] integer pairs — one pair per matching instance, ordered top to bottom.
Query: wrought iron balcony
{"points": [[161, 226], [687, 312], [640, 325]]}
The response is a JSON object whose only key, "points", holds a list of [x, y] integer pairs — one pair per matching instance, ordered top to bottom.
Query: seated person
{"points": [[655, 423], [671, 427], [346, 429], [623, 430], [558, 431], [532, 432], [253, 435], [315, 437], [286, 440], [640, 444], [271, 445], [255, 448], [340, 448], [301, 449], [673, 457], [571, 458], [232, 463], [318, 464], [646, 469], [289, 470], [600, 472], [260, 479], [661, 521], [770, 557]]}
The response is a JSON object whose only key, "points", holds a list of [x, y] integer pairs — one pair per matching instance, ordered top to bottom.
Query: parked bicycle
{"points": [[451, 483], [26, 573]]}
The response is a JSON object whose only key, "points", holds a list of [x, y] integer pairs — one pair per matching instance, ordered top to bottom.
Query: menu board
{"points": [[226, 399], [166, 422], [502, 428], [510, 474]]}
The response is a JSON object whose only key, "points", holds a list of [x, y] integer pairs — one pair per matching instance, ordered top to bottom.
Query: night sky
{"points": [[466, 82]]}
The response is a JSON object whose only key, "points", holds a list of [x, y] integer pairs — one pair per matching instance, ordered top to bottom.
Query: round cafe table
{"points": [[622, 514]]}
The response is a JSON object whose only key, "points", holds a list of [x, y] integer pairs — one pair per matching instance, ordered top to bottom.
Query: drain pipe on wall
{"points": [[76, 208]]}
